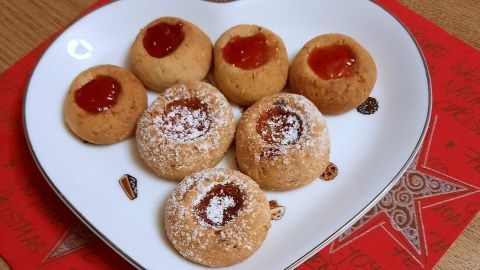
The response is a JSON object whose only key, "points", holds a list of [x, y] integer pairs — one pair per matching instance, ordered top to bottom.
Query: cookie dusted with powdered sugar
{"points": [[189, 127], [282, 142], [217, 217]]}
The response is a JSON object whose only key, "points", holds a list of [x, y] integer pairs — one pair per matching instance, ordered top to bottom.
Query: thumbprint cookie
{"points": [[169, 50], [250, 62], [335, 72], [103, 104], [189, 127], [282, 142], [217, 217]]}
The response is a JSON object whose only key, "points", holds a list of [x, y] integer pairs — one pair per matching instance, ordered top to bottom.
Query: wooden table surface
{"points": [[26, 23]]}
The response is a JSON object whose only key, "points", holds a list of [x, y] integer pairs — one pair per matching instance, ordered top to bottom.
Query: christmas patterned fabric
{"points": [[414, 224]]}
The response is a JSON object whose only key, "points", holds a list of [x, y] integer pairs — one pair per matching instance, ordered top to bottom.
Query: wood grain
{"points": [[460, 18], [25, 23], [464, 253], [3, 265]]}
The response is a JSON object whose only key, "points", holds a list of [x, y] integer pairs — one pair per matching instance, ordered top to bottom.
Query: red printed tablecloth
{"points": [[414, 224]]}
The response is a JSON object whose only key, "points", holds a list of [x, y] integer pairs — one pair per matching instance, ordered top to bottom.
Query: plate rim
{"points": [[397, 177], [308, 254]]}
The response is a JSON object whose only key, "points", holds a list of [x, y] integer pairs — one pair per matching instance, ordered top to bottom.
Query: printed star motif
{"points": [[7, 122], [450, 144], [473, 158], [10, 163], [399, 207], [76, 237]]}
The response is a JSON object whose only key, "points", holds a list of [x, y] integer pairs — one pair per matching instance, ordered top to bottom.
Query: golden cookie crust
{"points": [[190, 61], [244, 87], [334, 96], [114, 124], [173, 157], [283, 167], [223, 245]]}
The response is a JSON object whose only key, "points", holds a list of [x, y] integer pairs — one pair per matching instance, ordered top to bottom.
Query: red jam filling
{"points": [[162, 39], [247, 52], [332, 62], [98, 95], [186, 119], [279, 126], [220, 205]]}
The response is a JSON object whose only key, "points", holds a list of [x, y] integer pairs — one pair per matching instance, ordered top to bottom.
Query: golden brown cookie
{"points": [[169, 50], [250, 62], [334, 71], [103, 104], [189, 127], [282, 142], [217, 217]]}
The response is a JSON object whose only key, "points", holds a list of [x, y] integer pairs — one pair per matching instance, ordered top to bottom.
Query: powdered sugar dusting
{"points": [[184, 120], [182, 126], [282, 129], [291, 129], [291, 146], [220, 205], [217, 206], [203, 242]]}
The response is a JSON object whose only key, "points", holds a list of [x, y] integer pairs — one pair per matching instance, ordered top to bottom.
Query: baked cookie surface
{"points": [[169, 50], [250, 62], [334, 71], [103, 104], [189, 127], [282, 142], [217, 217]]}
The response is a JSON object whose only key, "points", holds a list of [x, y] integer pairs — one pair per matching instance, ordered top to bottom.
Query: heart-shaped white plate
{"points": [[370, 151]]}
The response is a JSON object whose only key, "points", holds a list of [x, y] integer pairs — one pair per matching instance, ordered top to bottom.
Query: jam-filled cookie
{"points": [[169, 50], [250, 62], [334, 71], [103, 104], [189, 127], [282, 142], [217, 217]]}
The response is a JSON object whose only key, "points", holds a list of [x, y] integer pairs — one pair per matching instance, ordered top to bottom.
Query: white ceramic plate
{"points": [[370, 151]]}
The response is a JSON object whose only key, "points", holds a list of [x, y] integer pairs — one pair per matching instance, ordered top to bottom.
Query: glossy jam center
{"points": [[162, 39], [247, 52], [332, 62], [98, 95], [185, 119], [279, 126], [220, 205]]}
